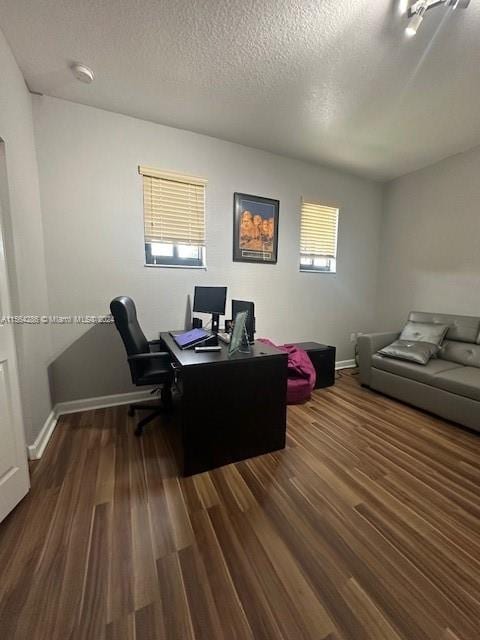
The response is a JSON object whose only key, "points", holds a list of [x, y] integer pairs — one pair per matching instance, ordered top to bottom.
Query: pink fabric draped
{"points": [[301, 373]]}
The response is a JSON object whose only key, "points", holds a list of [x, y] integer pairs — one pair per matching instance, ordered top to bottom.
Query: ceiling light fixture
{"points": [[418, 9], [416, 20], [82, 72]]}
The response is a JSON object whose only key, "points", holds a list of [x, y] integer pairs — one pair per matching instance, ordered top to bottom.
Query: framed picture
{"points": [[255, 229], [239, 337]]}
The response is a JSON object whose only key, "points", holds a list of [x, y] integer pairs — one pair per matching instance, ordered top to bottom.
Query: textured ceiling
{"points": [[332, 82]]}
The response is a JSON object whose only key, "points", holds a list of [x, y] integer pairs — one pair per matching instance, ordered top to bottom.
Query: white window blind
{"points": [[174, 207], [318, 230]]}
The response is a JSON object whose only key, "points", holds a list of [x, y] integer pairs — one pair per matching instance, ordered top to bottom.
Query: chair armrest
{"points": [[368, 344], [156, 345], [157, 355]]}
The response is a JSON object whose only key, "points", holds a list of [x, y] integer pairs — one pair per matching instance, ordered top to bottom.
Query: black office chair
{"points": [[147, 367]]}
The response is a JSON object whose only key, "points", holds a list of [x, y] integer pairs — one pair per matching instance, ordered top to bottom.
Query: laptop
{"points": [[190, 338]]}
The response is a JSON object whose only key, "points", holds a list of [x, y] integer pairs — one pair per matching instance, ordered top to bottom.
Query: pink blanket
{"points": [[301, 373]]}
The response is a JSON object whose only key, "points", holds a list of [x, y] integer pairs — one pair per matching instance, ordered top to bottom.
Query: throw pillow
{"points": [[424, 332], [418, 352]]}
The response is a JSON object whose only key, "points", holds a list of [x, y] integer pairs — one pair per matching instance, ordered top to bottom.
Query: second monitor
{"points": [[210, 300]]}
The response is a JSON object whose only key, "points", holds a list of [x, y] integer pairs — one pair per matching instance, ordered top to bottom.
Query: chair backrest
{"points": [[125, 317]]}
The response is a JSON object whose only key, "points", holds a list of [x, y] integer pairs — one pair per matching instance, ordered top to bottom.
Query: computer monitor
{"points": [[210, 300], [243, 305]]}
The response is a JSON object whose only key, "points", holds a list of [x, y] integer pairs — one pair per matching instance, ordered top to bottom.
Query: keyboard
{"points": [[224, 337]]}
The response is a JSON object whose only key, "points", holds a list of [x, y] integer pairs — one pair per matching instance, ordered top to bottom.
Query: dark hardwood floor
{"points": [[366, 527]]}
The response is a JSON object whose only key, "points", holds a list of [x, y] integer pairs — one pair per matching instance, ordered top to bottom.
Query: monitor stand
{"points": [[215, 322]]}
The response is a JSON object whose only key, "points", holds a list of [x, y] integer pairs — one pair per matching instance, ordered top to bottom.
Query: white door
{"points": [[14, 477]]}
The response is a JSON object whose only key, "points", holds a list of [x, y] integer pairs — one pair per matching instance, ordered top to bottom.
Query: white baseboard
{"points": [[345, 364], [87, 404], [36, 449]]}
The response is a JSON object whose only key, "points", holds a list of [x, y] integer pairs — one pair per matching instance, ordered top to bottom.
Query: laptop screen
{"points": [[190, 337]]}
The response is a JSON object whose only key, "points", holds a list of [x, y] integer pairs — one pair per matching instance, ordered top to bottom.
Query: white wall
{"points": [[92, 214], [24, 240], [87, 246], [430, 257]]}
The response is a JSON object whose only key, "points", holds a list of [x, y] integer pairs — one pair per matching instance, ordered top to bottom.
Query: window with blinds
{"points": [[174, 218], [318, 237]]}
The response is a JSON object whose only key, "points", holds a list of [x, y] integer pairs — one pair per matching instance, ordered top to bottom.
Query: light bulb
{"points": [[413, 25]]}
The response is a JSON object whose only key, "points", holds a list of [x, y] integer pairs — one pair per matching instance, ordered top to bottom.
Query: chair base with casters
{"points": [[156, 410]]}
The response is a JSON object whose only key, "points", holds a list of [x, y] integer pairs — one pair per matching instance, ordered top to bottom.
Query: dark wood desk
{"points": [[231, 408]]}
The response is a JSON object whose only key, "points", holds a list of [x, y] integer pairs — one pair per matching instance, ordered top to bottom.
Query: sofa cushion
{"points": [[462, 328], [424, 332], [419, 352], [460, 352], [421, 373], [464, 381]]}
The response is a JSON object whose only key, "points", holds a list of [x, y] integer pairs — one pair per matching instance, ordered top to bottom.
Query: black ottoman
{"points": [[322, 357]]}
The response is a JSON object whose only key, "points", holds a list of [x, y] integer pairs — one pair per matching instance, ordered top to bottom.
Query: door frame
{"points": [[18, 487]]}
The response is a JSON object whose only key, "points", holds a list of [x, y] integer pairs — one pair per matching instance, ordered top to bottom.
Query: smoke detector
{"points": [[82, 72]]}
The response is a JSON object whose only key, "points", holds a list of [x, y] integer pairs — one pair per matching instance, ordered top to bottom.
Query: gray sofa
{"points": [[449, 385]]}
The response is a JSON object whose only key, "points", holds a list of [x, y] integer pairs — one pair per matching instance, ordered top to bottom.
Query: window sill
{"points": [[176, 266], [328, 273]]}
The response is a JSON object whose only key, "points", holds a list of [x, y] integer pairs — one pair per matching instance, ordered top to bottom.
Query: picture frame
{"points": [[255, 229], [239, 337]]}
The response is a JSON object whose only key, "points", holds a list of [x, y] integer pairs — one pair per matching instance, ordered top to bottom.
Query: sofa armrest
{"points": [[368, 344]]}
